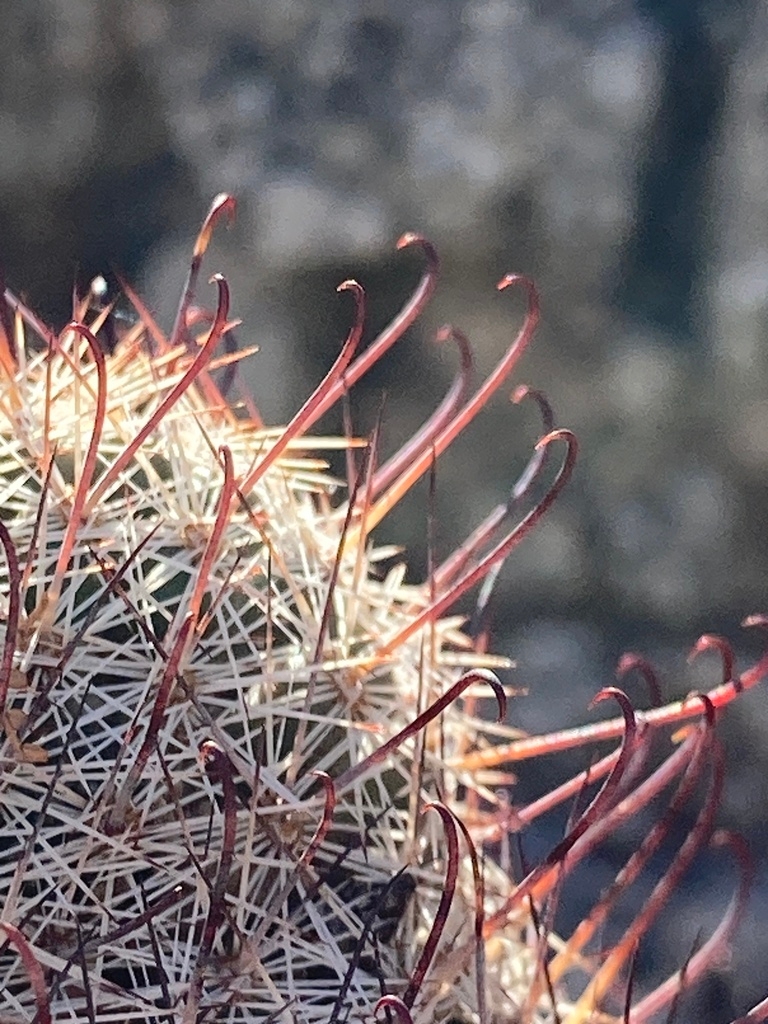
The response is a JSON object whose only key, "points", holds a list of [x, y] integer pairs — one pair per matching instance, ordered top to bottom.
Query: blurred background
{"points": [[615, 151]]}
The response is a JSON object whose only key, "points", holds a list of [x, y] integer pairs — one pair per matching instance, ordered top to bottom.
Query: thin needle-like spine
{"points": [[222, 205], [410, 312], [481, 397], [312, 409], [438, 421], [121, 463], [79, 509], [217, 533], [471, 548], [499, 553], [12, 615], [566, 739], [219, 769], [359, 770], [589, 816], [325, 822], [639, 859], [479, 885], [444, 906], [716, 946], [34, 971], [601, 981], [393, 1002]]}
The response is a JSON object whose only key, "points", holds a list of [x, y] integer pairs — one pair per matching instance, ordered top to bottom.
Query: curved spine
{"points": [[410, 312], [482, 396], [312, 409], [437, 422], [112, 475], [80, 505], [497, 554], [14, 611], [421, 721], [444, 906], [716, 945], [606, 974]]}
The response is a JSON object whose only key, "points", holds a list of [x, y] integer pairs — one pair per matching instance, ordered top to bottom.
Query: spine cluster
{"points": [[247, 772]]}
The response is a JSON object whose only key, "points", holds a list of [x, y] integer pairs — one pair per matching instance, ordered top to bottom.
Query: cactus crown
{"points": [[245, 775]]}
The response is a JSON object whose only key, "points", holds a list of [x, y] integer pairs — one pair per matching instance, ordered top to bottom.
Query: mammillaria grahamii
{"points": [[245, 775]]}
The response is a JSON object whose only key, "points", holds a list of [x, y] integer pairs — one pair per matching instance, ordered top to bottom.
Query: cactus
{"points": [[245, 773]]}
